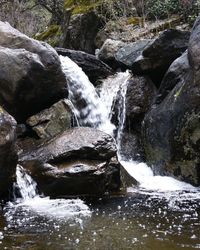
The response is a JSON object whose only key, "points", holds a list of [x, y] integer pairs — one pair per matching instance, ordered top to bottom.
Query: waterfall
{"points": [[109, 90], [89, 109], [96, 111], [27, 186]]}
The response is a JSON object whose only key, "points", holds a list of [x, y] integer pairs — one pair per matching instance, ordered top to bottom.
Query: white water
{"points": [[109, 90], [90, 111], [53, 208]]}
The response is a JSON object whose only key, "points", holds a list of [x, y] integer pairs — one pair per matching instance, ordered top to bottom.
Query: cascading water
{"points": [[109, 90], [89, 109], [95, 111], [146, 220]]}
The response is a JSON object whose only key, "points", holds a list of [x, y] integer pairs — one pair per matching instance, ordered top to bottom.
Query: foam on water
{"points": [[144, 175], [52, 208]]}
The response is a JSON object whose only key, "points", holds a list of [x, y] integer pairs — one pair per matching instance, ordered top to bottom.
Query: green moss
{"points": [[82, 6], [136, 21], [51, 31], [51, 35], [178, 92]]}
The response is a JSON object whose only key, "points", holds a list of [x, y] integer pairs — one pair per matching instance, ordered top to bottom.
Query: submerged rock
{"points": [[160, 53], [94, 68], [31, 77], [52, 121], [171, 128], [8, 155], [77, 162]]}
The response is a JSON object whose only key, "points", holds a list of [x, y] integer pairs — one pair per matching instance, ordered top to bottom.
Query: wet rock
{"points": [[79, 34], [108, 51], [129, 53], [158, 56], [94, 68], [37, 80], [140, 95], [52, 121], [171, 128], [8, 155], [76, 162]]}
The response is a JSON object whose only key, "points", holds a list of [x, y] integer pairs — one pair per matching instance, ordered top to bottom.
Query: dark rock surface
{"points": [[79, 34], [170, 43], [129, 53], [158, 55], [94, 68], [174, 75], [31, 78], [171, 128], [8, 155], [80, 161]]}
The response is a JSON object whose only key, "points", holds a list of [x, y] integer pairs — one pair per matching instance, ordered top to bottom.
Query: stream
{"points": [[158, 213]]}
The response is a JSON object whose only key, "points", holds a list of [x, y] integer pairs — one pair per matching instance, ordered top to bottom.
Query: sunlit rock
{"points": [[31, 78]]}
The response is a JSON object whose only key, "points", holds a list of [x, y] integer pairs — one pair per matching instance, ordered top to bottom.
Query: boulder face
{"points": [[80, 34], [170, 43], [108, 51], [129, 53], [160, 53], [94, 68], [174, 75], [37, 80], [52, 121], [171, 128], [8, 155], [80, 161]]}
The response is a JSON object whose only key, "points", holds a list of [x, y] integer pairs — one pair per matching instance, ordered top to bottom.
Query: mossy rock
{"points": [[51, 35]]}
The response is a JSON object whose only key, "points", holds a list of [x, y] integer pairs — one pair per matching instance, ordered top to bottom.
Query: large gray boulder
{"points": [[108, 50], [160, 53], [127, 55], [31, 77], [171, 128], [8, 154], [80, 161]]}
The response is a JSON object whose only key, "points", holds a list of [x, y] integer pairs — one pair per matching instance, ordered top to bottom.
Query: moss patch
{"points": [[82, 6], [51, 35]]}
